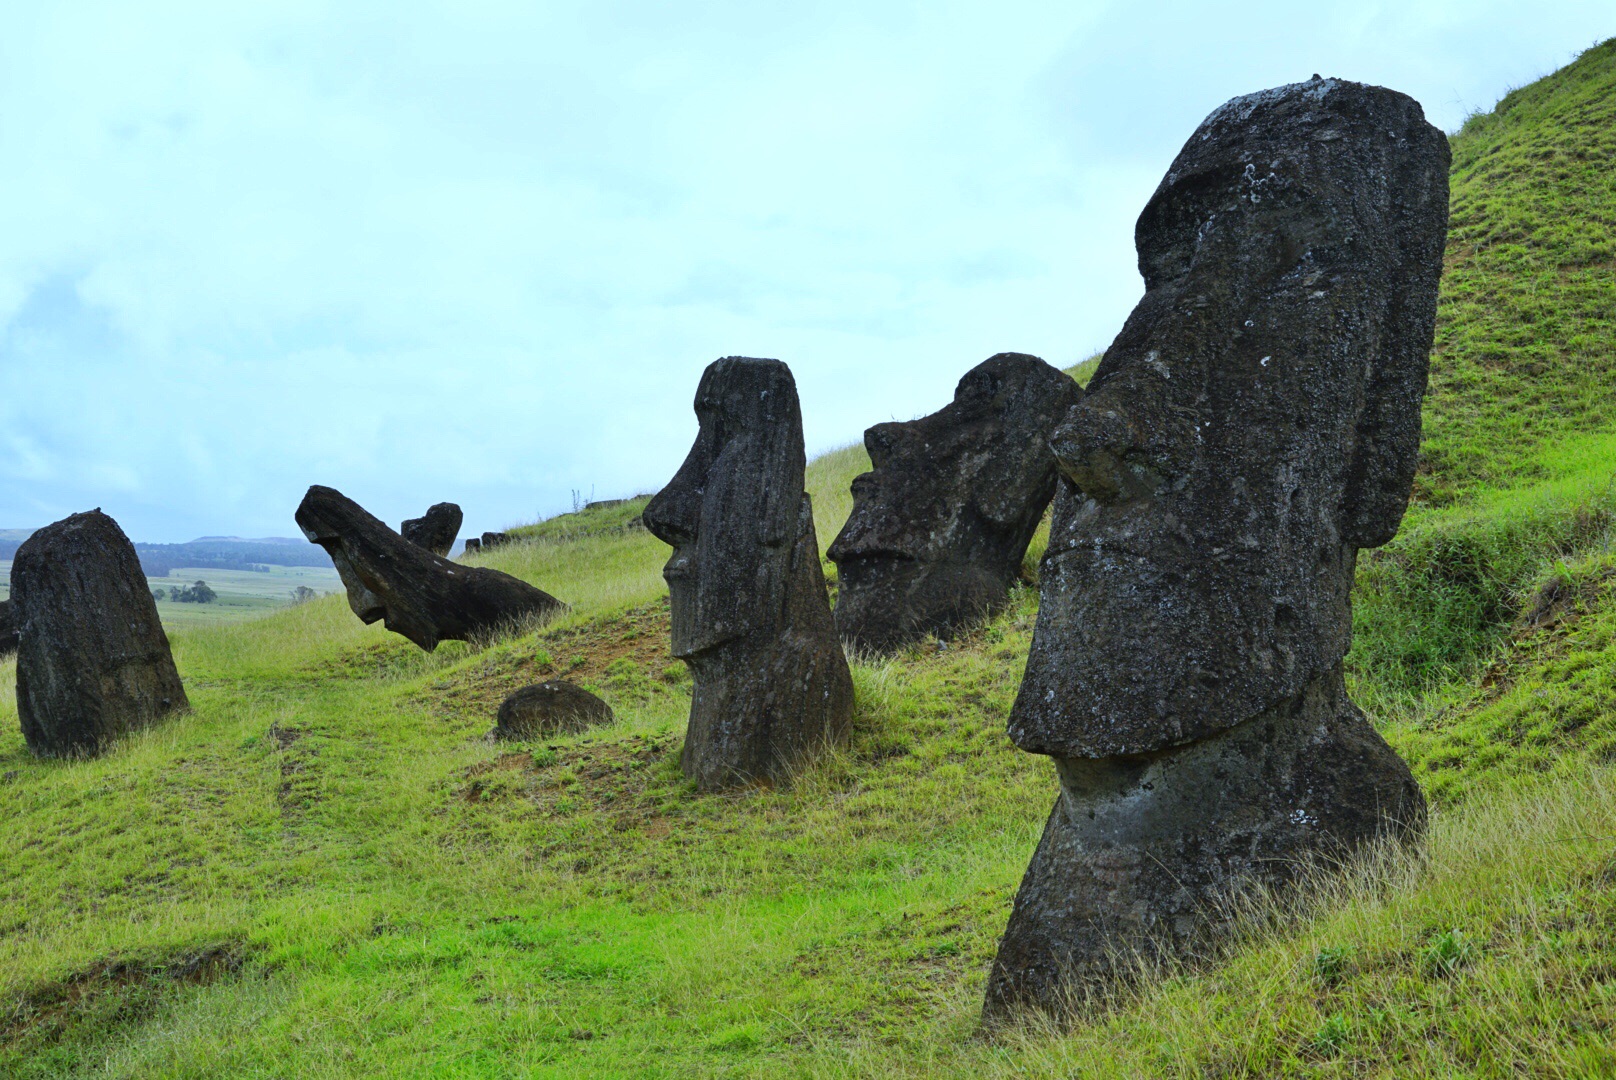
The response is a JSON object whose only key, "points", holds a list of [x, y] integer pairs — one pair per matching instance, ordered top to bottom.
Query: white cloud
{"points": [[482, 252]]}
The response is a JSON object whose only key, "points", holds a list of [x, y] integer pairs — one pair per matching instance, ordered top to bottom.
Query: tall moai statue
{"points": [[1253, 426], [943, 519], [750, 612], [93, 662]]}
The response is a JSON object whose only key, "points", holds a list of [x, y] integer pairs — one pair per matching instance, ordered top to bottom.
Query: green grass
{"points": [[326, 871]]}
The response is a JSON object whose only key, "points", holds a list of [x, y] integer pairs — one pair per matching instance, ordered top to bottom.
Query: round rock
{"points": [[550, 708]]}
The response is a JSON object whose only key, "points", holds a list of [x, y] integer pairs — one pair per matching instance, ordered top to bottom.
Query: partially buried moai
{"points": [[1255, 423], [942, 521], [434, 530], [413, 592], [750, 612], [93, 662]]}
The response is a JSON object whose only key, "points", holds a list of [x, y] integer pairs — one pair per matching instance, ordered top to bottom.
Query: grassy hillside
{"points": [[326, 870]]}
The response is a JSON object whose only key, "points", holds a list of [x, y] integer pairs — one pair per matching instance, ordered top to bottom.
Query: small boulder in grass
{"points": [[550, 708]]}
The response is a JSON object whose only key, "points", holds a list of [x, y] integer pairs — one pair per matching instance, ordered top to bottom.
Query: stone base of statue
{"points": [[1144, 858]]}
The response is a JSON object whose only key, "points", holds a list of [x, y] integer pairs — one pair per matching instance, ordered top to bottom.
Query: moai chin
{"points": [[1255, 423], [942, 521], [750, 613]]}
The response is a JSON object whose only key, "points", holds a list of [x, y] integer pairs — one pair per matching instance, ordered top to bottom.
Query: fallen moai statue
{"points": [[1253, 426], [941, 523], [435, 530], [492, 540], [474, 546], [415, 593], [749, 607], [8, 630], [93, 662], [550, 708]]}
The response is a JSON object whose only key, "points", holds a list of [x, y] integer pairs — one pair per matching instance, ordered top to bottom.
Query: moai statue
{"points": [[1253, 426], [942, 521], [435, 530], [420, 595], [750, 612], [93, 662]]}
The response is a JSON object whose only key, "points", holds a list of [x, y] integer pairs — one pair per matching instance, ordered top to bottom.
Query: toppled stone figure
{"points": [[1254, 425], [941, 523], [435, 530], [492, 540], [474, 546], [415, 593], [749, 607], [8, 630], [93, 662], [550, 708]]}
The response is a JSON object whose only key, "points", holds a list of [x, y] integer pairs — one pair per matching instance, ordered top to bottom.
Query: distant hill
{"points": [[208, 552]]}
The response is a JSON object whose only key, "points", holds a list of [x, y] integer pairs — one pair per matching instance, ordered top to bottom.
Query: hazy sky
{"points": [[482, 251]]}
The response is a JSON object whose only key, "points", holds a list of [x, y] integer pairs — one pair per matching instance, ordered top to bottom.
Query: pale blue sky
{"points": [[482, 251]]}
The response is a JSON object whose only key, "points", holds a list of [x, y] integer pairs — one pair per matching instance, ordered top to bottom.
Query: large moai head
{"points": [[1255, 423], [732, 512], [942, 520], [749, 608], [93, 662]]}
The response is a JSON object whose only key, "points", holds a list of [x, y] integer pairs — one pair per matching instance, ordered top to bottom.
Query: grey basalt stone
{"points": [[1253, 426], [942, 521], [436, 529], [415, 593], [749, 607], [93, 662], [550, 708]]}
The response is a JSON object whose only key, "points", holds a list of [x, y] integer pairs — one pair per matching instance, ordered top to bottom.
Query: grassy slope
{"points": [[326, 872]]}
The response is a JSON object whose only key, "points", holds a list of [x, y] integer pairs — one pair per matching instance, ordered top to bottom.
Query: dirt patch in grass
{"points": [[624, 658], [116, 992]]}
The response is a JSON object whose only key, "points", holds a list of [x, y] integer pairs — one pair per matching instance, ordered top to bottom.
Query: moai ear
{"points": [[1385, 454]]}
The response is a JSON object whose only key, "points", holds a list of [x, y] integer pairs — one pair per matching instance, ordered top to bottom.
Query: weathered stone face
{"points": [[1255, 423], [942, 521], [435, 530], [416, 593], [749, 609], [93, 662], [550, 708]]}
